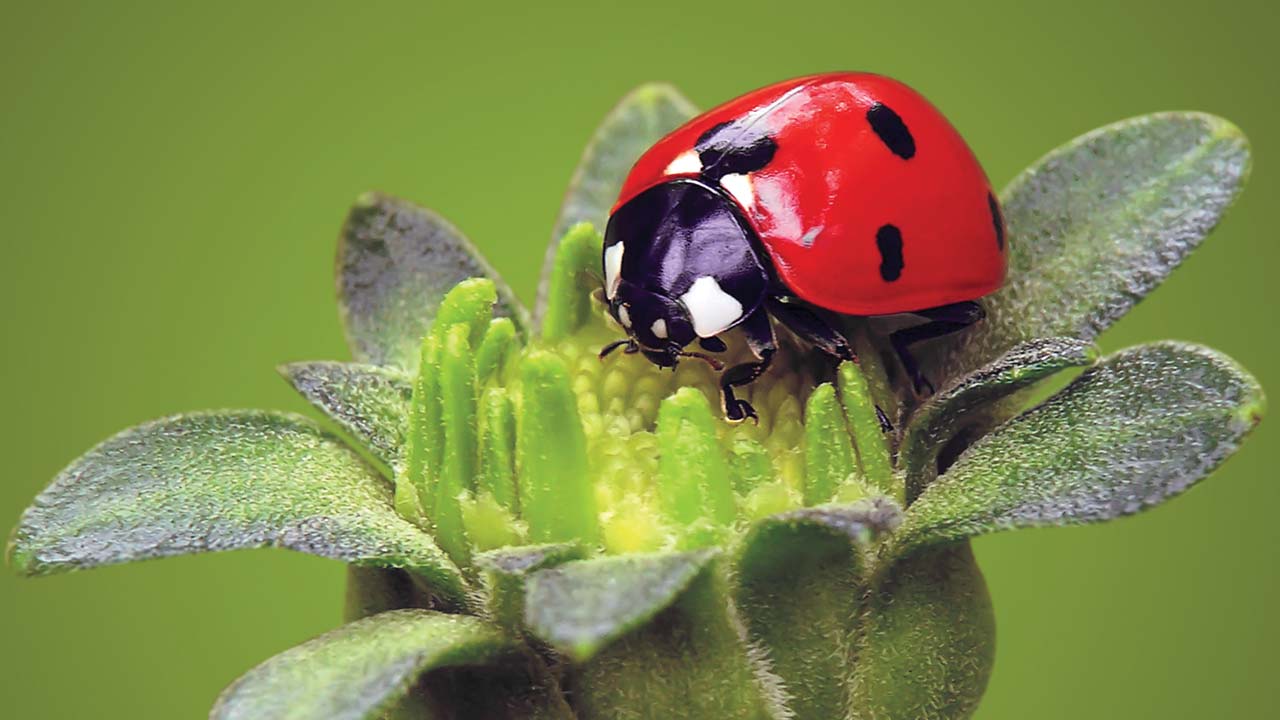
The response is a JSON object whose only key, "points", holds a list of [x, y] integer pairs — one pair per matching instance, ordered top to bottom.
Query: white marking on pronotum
{"points": [[686, 163], [741, 188], [613, 269], [711, 308], [624, 316], [659, 328]]}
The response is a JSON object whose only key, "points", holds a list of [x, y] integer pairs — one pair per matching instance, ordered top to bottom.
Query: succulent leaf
{"points": [[638, 120], [1098, 223], [396, 261], [568, 304], [468, 309], [500, 345], [369, 402], [971, 403], [1141, 426], [869, 438], [828, 447], [497, 448], [458, 462], [693, 471], [222, 481], [556, 494], [506, 572], [800, 584], [372, 590], [580, 607], [927, 639], [691, 660], [361, 669]]}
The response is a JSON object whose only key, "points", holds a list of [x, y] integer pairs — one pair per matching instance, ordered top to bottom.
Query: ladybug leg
{"points": [[942, 320], [810, 327], [759, 335]]}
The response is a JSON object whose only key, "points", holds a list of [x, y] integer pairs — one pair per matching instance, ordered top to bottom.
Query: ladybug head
{"points": [[656, 325]]}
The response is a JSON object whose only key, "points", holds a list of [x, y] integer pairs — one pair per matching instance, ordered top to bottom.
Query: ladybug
{"points": [[818, 197]]}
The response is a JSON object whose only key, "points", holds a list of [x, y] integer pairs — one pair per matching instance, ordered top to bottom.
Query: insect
{"points": [[827, 195]]}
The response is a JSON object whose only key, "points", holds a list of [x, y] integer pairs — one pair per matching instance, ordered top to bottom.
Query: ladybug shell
{"points": [[871, 203]]}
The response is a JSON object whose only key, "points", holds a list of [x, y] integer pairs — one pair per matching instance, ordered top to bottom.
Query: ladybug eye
{"points": [[624, 316]]}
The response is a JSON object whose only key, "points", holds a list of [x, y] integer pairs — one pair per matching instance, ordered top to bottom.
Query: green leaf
{"points": [[642, 117], [1098, 223], [396, 261], [576, 266], [469, 306], [500, 345], [369, 402], [969, 405], [1137, 428], [869, 438], [497, 448], [828, 448], [458, 463], [693, 470], [222, 481], [556, 494], [507, 570], [800, 583], [372, 590], [580, 607], [928, 640], [689, 660], [360, 669]]}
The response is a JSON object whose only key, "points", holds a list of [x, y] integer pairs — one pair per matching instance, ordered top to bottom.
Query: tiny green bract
{"points": [[535, 533]]}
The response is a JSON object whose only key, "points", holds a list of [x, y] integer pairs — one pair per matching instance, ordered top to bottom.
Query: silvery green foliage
{"points": [[395, 261], [369, 402], [602, 546]]}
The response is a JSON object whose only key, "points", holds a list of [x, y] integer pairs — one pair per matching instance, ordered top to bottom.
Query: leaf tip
{"points": [[654, 93], [367, 199]]}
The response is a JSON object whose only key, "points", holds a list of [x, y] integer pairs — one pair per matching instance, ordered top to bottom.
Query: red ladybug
{"points": [[843, 193]]}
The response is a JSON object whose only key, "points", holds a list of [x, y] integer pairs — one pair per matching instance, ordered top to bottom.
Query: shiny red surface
{"points": [[834, 181]]}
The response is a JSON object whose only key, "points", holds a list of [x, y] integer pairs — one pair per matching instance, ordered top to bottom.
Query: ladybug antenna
{"points": [[631, 347]]}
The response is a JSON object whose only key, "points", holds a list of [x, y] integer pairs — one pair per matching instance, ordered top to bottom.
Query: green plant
{"points": [[534, 533]]}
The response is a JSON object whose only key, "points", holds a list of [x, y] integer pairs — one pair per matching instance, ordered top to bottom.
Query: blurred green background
{"points": [[174, 177]]}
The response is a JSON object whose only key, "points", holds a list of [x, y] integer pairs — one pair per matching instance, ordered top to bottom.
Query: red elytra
{"points": [[835, 182]]}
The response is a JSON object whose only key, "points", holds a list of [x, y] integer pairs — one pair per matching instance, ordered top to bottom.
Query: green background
{"points": [[173, 180]]}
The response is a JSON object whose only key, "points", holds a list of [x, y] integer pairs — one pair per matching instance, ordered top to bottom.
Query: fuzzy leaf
{"points": [[638, 120], [1098, 223], [396, 261], [568, 302], [369, 402], [968, 403], [1137, 428], [869, 438], [828, 448], [458, 463], [693, 472], [221, 481], [556, 494], [507, 570], [800, 583], [373, 590], [582, 606], [928, 640], [689, 660], [360, 669]]}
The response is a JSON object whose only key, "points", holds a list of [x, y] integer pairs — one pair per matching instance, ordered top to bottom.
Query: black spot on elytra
{"points": [[892, 131], [729, 148], [996, 219], [889, 241]]}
